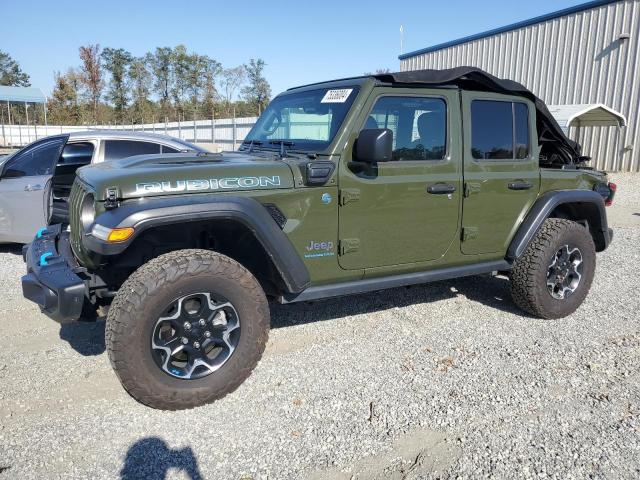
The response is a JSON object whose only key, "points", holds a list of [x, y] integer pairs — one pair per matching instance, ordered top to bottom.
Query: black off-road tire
{"points": [[529, 275], [140, 301]]}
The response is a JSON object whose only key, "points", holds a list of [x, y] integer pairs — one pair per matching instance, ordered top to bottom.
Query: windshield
{"points": [[303, 120]]}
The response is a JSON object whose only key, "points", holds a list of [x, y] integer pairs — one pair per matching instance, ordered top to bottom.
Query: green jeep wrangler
{"points": [[342, 187]]}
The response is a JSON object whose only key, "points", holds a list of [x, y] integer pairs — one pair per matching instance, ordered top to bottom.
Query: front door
{"points": [[501, 172], [22, 189], [404, 211]]}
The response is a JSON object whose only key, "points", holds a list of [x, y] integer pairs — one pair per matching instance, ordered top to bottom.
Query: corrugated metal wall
{"points": [[577, 58]]}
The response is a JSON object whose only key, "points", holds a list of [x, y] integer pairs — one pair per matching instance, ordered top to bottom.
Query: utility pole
{"points": [[26, 114]]}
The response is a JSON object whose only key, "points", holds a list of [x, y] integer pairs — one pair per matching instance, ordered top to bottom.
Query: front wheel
{"points": [[553, 276], [186, 328]]}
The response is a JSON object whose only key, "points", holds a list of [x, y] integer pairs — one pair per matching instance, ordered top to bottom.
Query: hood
{"points": [[185, 173]]}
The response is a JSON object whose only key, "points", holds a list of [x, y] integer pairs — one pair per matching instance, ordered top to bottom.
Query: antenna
{"points": [[401, 38]]}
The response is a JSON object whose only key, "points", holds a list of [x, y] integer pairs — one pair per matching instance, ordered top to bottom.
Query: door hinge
{"points": [[471, 188], [349, 195], [469, 233], [349, 245]]}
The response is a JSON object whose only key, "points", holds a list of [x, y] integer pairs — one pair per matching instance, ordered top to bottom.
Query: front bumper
{"points": [[52, 279]]}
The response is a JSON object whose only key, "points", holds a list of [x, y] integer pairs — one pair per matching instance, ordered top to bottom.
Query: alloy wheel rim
{"points": [[564, 272], [195, 336]]}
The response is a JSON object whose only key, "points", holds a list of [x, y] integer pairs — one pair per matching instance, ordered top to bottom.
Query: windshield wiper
{"points": [[282, 143], [251, 144]]}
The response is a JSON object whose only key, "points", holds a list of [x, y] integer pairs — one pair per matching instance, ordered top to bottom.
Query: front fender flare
{"points": [[547, 203], [152, 212]]}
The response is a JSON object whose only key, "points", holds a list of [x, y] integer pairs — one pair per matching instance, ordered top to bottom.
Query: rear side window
{"points": [[499, 130], [116, 149], [166, 149], [77, 154]]}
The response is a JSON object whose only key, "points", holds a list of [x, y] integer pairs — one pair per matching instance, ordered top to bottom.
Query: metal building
{"points": [[587, 54]]}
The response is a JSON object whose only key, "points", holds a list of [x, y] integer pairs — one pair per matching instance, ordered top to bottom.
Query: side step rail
{"points": [[373, 284]]}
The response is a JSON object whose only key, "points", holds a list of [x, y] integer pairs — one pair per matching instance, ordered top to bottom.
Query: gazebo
{"points": [[25, 95], [589, 115]]}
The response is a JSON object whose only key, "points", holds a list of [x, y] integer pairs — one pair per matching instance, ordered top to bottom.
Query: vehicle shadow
{"points": [[13, 248], [490, 291], [86, 338], [151, 459]]}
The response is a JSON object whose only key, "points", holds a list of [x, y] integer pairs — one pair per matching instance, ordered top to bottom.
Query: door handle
{"points": [[520, 185], [33, 188], [441, 188]]}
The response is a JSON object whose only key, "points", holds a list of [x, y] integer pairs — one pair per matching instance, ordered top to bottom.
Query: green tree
{"points": [[116, 62], [160, 63], [180, 66], [10, 72], [91, 75], [140, 77], [200, 81], [258, 90], [210, 94], [64, 106]]}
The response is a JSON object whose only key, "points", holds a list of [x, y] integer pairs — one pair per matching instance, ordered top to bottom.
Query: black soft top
{"points": [[550, 136]]}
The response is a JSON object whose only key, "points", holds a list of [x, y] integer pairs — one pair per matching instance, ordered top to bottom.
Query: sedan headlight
{"points": [[87, 211]]}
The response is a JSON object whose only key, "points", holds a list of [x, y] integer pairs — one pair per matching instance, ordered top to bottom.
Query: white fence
{"points": [[225, 132]]}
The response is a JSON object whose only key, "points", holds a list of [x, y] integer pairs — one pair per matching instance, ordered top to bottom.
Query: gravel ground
{"points": [[447, 380]]}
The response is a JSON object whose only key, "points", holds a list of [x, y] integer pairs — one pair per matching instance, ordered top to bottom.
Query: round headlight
{"points": [[87, 212]]}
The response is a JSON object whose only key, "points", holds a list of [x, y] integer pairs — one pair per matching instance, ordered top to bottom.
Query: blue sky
{"points": [[302, 42]]}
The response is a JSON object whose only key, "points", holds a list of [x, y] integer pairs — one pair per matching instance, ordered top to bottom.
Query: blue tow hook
{"points": [[41, 232], [43, 258]]}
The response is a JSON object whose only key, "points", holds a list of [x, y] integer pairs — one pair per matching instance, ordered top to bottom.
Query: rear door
{"points": [[74, 155], [501, 172], [22, 189]]}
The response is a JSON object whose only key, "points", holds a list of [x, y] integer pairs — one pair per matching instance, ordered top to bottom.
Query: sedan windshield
{"points": [[303, 120]]}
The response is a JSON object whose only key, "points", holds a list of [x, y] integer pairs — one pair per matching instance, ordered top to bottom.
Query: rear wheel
{"points": [[553, 277], [186, 329]]}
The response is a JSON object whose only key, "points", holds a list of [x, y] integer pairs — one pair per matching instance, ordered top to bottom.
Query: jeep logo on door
{"points": [[206, 184]]}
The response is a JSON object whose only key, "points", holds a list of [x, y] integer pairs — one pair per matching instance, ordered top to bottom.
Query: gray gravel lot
{"points": [[447, 380]]}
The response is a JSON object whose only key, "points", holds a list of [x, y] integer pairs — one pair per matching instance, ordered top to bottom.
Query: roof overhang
{"points": [[514, 26], [21, 94], [587, 115]]}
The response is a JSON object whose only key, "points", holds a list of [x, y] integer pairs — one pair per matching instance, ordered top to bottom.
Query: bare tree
{"points": [[379, 71], [92, 75], [230, 82]]}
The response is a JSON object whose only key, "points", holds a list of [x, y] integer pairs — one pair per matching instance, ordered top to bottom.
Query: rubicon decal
{"points": [[231, 183]]}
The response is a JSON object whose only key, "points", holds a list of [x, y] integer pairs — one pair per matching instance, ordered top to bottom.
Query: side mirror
{"points": [[374, 145]]}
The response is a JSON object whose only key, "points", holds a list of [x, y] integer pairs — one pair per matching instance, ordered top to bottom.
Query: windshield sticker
{"points": [[336, 96]]}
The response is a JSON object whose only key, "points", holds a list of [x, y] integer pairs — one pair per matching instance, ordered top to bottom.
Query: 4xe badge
{"points": [[326, 198], [319, 249]]}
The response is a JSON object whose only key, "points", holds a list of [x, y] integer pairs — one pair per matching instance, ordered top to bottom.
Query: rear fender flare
{"points": [[589, 203]]}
